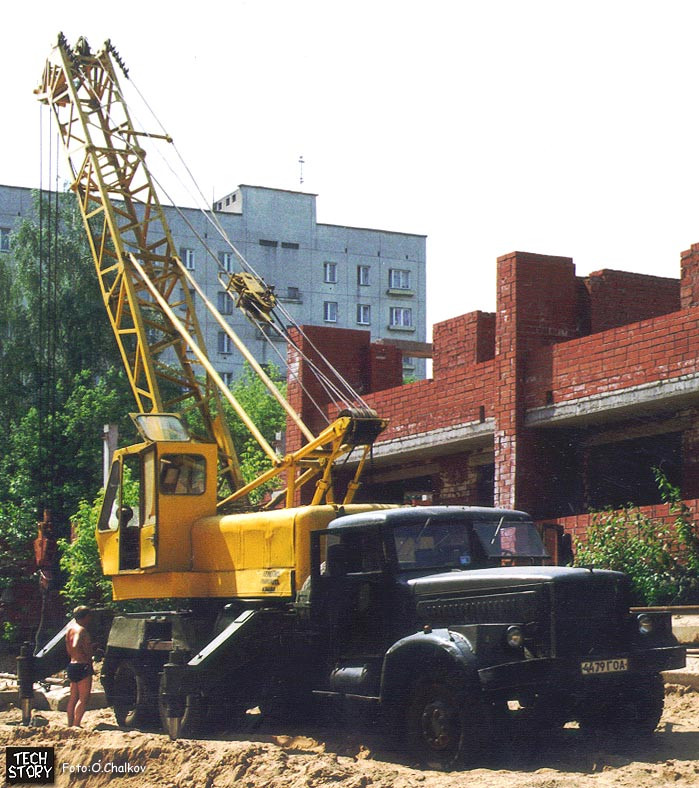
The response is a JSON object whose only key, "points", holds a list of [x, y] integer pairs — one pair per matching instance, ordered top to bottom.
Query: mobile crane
{"points": [[442, 617]]}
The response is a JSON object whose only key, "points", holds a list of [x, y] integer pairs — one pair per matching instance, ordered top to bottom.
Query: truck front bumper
{"points": [[561, 672]]}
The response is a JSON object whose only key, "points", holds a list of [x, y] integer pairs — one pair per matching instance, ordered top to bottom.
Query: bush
{"points": [[627, 540]]}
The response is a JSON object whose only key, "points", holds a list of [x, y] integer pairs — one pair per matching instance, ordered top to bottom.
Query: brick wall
{"points": [[618, 298], [555, 337], [463, 341], [660, 348], [364, 365], [577, 525]]}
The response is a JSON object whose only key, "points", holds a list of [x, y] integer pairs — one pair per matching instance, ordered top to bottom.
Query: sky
{"points": [[565, 128]]}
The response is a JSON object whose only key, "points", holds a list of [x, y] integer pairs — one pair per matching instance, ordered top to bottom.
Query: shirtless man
{"points": [[79, 648]]}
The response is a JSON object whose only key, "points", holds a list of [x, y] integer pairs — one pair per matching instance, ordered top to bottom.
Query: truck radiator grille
{"points": [[590, 620]]}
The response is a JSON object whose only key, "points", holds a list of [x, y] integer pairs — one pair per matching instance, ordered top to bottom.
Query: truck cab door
{"points": [[353, 606]]}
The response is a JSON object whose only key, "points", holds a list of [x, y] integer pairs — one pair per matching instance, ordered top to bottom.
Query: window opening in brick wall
{"points": [[4, 239], [363, 275], [622, 472], [485, 485]]}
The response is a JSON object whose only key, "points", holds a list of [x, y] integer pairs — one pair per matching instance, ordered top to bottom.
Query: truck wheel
{"points": [[132, 699], [634, 710], [201, 717], [193, 721], [444, 722]]}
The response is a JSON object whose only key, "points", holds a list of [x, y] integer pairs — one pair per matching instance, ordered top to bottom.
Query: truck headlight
{"points": [[645, 623], [514, 637]]}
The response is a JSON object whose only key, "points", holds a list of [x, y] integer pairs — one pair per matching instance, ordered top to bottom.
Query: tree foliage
{"points": [[60, 379], [267, 415], [645, 548]]}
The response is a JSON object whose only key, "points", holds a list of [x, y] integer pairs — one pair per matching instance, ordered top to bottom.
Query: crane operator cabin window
{"points": [[182, 474]]}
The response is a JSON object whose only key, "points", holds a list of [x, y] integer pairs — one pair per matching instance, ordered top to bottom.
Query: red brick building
{"points": [[561, 402]]}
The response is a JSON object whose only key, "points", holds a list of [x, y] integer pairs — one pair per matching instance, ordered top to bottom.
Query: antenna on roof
{"points": [[301, 163]]}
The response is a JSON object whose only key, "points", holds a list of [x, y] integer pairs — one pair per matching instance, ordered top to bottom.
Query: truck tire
{"points": [[133, 697], [633, 710], [201, 717], [193, 721], [445, 723]]}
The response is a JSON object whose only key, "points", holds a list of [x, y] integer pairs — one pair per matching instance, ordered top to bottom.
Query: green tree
{"points": [[57, 380], [267, 415]]}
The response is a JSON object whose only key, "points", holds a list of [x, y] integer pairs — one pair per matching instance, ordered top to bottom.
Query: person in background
{"points": [[79, 648]]}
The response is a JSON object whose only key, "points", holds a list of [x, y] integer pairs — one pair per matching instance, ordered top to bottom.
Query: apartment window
{"points": [[4, 239], [265, 242], [289, 245], [187, 257], [226, 261], [330, 273], [362, 274], [399, 279], [293, 294], [225, 303], [330, 311], [363, 314], [401, 317], [224, 343], [409, 362], [227, 378]]}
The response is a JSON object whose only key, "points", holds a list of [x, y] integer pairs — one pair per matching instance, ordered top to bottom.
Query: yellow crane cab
{"points": [[156, 490]]}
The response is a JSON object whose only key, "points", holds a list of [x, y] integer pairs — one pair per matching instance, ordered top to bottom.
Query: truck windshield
{"points": [[508, 538], [433, 543], [460, 544]]}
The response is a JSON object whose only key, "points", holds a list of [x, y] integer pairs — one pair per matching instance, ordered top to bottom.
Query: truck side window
{"points": [[182, 474], [354, 553]]}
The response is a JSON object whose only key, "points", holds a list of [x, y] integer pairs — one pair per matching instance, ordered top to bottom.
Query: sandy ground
{"points": [[355, 756]]}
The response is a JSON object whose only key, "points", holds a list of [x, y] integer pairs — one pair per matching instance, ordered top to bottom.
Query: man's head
{"points": [[81, 614]]}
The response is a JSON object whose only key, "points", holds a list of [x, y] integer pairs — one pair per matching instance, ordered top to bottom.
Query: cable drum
{"points": [[365, 427]]}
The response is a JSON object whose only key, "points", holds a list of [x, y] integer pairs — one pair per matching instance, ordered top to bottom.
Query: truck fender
{"points": [[424, 652]]}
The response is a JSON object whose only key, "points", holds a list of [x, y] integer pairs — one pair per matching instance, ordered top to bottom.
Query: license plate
{"points": [[594, 666]]}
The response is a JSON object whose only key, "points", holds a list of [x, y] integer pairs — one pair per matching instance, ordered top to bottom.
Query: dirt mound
{"points": [[356, 756]]}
